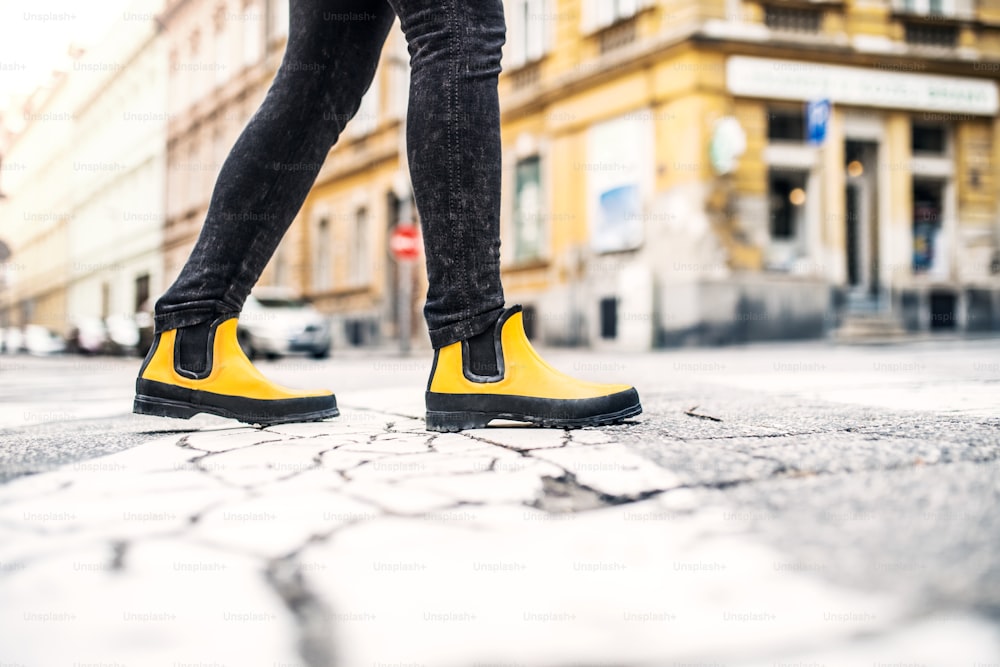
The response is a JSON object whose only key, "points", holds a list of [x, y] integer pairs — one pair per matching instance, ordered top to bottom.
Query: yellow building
{"points": [[664, 185]]}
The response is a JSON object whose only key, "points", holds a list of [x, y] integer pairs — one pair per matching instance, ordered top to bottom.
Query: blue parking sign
{"points": [[817, 118]]}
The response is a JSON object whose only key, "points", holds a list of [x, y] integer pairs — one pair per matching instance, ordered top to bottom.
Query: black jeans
{"points": [[453, 146]]}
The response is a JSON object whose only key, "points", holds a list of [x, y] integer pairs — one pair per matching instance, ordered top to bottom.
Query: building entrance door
{"points": [[862, 224]]}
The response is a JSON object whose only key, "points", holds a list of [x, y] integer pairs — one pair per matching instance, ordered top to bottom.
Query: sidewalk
{"points": [[678, 538]]}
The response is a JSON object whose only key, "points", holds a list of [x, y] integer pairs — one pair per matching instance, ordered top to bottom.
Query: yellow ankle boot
{"points": [[224, 384], [524, 388]]}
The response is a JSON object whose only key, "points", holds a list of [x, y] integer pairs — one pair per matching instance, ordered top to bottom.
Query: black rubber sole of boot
{"points": [[162, 400], [547, 413]]}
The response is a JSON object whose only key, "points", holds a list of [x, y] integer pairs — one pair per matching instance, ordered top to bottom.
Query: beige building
{"points": [[222, 56], [83, 183]]}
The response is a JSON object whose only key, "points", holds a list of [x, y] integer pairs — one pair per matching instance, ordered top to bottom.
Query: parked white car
{"points": [[275, 322], [11, 340], [40, 341]]}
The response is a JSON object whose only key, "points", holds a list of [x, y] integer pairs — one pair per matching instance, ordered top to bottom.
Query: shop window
{"points": [[786, 125], [929, 138], [619, 170], [787, 194], [786, 207], [528, 210], [927, 228]]}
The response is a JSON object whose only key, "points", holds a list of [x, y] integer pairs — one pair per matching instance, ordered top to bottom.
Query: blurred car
{"points": [[275, 323], [89, 335], [123, 335], [12, 340], [40, 341]]}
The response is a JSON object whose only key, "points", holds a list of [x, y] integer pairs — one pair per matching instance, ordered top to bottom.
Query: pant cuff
{"points": [[182, 318], [467, 328]]}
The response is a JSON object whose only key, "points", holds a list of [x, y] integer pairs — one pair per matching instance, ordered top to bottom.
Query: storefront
{"points": [[890, 207]]}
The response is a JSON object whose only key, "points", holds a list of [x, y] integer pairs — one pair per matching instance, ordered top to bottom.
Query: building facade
{"points": [[221, 58], [706, 172], [83, 184], [665, 185], [115, 233]]}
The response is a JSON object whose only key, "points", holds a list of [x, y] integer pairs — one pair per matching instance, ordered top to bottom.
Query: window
{"points": [[954, 8], [600, 14], [279, 18], [792, 19], [529, 25], [253, 33], [931, 34], [221, 46], [193, 68], [399, 76], [366, 120], [786, 125], [929, 138], [219, 147], [193, 176], [928, 203], [786, 208], [528, 209], [360, 257], [281, 265], [323, 269], [142, 293], [105, 300], [609, 318]]}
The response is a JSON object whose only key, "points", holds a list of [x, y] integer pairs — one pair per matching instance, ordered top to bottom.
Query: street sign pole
{"points": [[404, 244], [406, 291]]}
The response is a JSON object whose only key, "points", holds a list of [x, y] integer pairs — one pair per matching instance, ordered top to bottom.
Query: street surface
{"points": [[780, 505]]}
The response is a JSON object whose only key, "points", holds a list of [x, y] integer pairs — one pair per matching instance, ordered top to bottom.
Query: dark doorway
{"points": [[861, 219], [609, 318]]}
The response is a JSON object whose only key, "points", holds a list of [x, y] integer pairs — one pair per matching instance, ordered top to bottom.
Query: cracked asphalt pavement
{"points": [[780, 505]]}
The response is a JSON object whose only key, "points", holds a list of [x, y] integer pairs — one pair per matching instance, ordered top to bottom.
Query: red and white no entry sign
{"points": [[404, 242]]}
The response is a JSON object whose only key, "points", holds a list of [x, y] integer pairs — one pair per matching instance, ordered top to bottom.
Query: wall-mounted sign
{"points": [[861, 86], [817, 118], [728, 143], [619, 173]]}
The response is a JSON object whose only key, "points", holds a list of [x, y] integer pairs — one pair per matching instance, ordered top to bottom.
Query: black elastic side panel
{"points": [[192, 348], [483, 354]]}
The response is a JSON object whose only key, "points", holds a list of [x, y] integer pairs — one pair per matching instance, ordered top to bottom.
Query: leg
{"points": [[333, 50], [453, 145], [195, 364], [484, 367]]}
